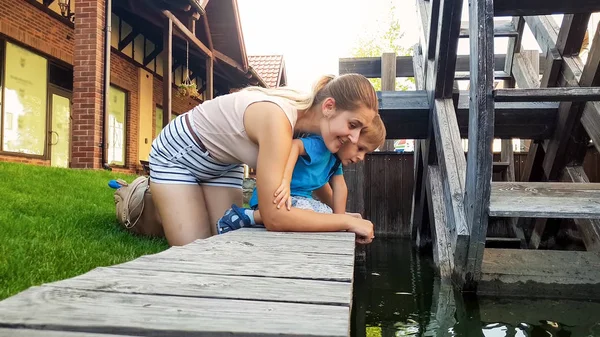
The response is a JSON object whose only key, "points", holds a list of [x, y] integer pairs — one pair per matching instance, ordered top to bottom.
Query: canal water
{"points": [[396, 293]]}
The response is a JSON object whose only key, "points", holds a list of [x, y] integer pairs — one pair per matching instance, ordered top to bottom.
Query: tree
{"points": [[385, 41]]}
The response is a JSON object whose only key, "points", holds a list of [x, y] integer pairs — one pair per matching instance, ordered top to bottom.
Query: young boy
{"points": [[310, 167]]}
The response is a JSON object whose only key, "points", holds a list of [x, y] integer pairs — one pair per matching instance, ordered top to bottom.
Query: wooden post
{"points": [[167, 70], [388, 83], [208, 94], [481, 133]]}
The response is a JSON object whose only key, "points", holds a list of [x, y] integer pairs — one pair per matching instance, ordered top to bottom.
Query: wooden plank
{"points": [[543, 7], [503, 28], [544, 29], [432, 31], [571, 33], [514, 43], [446, 49], [371, 66], [552, 68], [167, 71], [524, 72], [388, 83], [209, 91], [547, 95], [406, 115], [590, 118], [481, 136], [507, 155], [452, 163], [498, 167], [420, 176], [545, 200], [589, 228], [263, 233], [288, 244], [443, 244], [249, 263], [541, 273], [154, 282], [105, 312], [16, 332]]}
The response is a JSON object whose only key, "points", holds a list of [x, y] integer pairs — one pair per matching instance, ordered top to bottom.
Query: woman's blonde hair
{"points": [[350, 92], [373, 135]]}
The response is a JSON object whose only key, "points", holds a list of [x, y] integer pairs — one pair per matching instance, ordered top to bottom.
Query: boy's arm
{"points": [[340, 193], [282, 194], [325, 195]]}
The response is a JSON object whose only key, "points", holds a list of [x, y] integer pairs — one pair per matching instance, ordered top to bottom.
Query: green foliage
{"points": [[387, 39], [60, 223]]}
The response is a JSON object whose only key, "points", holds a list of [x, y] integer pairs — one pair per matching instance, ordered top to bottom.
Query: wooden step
{"points": [[544, 7], [547, 95], [500, 166], [545, 200], [523, 272]]}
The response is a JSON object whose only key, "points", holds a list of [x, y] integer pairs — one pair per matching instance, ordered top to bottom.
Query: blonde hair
{"points": [[350, 92], [373, 136]]}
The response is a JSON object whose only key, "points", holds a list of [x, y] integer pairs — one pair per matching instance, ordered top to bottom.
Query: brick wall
{"points": [[22, 21], [88, 66], [125, 75], [179, 105], [17, 159]]}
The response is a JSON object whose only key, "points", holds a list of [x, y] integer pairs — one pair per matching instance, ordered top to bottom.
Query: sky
{"points": [[313, 34]]}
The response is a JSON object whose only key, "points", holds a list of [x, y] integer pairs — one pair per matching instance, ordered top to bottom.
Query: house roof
{"points": [[271, 69]]}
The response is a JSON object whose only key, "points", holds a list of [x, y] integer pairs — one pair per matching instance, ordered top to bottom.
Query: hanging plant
{"points": [[187, 88]]}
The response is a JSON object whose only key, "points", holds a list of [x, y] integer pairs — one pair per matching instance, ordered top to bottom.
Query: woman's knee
{"points": [[183, 212]]}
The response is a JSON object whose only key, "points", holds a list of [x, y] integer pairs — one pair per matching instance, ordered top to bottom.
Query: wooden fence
{"points": [[381, 187]]}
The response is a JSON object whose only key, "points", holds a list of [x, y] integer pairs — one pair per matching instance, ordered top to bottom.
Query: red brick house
{"points": [[271, 69], [75, 96]]}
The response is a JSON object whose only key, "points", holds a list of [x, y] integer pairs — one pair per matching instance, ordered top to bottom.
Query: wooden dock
{"points": [[246, 283]]}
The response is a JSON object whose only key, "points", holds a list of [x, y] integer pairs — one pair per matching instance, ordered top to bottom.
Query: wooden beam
{"points": [[544, 7], [434, 17], [501, 29], [545, 30], [185, 31], [208, 33], [571, 34], [128, 39], [514, 43], [153, 54], [228, 60], [371, 66], [552, 66], [444, 67], [167, 70], [524, 72], [209, 79], [388, 83], [547, 95], [406, 115], [590, 118], [481, 135], [507, 156], [452, 163], [545, 200], [589, 228], [443, 244]]}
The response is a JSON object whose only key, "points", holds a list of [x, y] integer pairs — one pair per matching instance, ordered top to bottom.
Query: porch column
{"points": [[167, 70], [88, 79]]}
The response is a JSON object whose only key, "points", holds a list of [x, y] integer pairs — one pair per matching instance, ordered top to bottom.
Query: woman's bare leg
{"points": [[218, 200], [183, 212]]}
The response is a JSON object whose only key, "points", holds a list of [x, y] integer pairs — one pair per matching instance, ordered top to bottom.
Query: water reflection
{"points": [[397, 294]]}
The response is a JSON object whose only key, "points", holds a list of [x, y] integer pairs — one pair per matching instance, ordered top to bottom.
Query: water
{"points": [[396, 293]]}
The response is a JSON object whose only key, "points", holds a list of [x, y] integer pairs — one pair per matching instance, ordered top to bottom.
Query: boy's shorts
{"points": [[310, 204]]}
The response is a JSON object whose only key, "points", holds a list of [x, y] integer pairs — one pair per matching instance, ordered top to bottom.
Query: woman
{"points": [[195, 162]]}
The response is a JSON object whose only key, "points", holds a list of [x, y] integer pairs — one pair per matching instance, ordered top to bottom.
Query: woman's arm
{"points": [[268, 127], [340, 193], [282, 194]]}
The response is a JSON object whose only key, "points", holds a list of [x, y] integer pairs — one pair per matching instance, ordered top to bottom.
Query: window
{"points": [[25, 97], [159, 121], [116, 131]]}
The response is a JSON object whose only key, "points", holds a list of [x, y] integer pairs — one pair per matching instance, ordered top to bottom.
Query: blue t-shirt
{"points": [[312, 170]]}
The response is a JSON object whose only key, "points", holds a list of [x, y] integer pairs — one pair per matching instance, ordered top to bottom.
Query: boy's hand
{"points": [[282, 195]]}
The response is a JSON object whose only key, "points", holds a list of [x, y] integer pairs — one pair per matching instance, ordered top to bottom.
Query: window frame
{"points": [[126, 129]]}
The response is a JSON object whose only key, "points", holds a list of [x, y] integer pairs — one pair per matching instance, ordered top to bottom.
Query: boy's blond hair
{"points": [[373, 136]]}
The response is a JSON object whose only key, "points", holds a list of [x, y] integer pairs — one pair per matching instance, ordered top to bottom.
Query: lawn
{"points": [[59, 223]]}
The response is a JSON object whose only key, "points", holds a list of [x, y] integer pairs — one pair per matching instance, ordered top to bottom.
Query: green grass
{"points": [[59, 223]]}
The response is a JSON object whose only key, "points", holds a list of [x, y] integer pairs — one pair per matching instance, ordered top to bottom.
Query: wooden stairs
{"points": [[551, 98]]}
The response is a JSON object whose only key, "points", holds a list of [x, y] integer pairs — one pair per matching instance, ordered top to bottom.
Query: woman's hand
{"points": [[282, 195], [362, 228]]}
